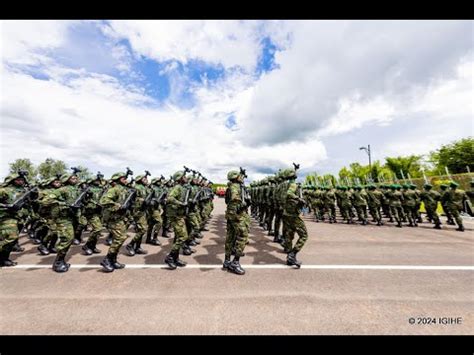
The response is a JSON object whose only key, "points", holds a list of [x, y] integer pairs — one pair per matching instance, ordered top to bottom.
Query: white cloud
{"points": [[335, 80]]}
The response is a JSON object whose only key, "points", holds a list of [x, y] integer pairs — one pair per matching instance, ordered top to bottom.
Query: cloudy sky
{"points": [[216, 95]]}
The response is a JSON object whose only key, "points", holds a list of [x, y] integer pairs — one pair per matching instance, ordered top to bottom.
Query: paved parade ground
{"points": [[354, 280]]}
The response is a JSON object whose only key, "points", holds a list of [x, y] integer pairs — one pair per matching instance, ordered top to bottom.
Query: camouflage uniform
{"points": [[375, 199], [430, 199], [454, 200], [93, 214], [139, 217], [292, 219], [8, 220], [116, 220], [237, 222]]}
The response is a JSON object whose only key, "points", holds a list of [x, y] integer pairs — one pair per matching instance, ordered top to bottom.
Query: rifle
{"points": [[75, 170], [243, 172], [447, 173], [402, 175], [424, 175], [148, 199], [186, 199], [21, 201], [78, 202], [128, 203]]}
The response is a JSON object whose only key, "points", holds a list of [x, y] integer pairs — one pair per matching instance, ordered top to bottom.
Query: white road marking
{"points": [[266, 266]]}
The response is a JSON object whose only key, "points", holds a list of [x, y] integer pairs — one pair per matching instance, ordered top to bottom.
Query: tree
{"points": [[455, 156], [24, 164], [407, 165], [51, 167]]}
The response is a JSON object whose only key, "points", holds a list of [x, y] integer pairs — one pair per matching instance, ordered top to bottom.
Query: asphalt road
{"points": [[355, 280]]}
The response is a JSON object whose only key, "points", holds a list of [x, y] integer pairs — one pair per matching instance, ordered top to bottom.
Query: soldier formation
{"points": [[393, 203], [57, 210]]}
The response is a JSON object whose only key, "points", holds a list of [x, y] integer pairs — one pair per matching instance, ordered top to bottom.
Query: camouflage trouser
{"points": [[320, 209], [331, 209], [207, 210], [386, 210], [345, 212], [361, 212], [375, 212], [410, 212], [447, 212], [261, 213], [397, 213], [455, 213], [432, 214], [269, 217], [278, 218], [95, 222], [154, 222], [192, 224], [295, 224], [141, 226], [64, 230], [118, 230], [8, 232], [180, 232], [237, 235]]}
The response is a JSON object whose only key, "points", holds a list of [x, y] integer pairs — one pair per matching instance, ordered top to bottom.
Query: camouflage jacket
{"points": [[8, 195]]}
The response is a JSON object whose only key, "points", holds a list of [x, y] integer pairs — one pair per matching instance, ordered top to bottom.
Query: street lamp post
{"points": [[367, 150]]}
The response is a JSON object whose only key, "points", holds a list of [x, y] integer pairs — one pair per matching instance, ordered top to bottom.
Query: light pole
{"points": [[367, 150]]}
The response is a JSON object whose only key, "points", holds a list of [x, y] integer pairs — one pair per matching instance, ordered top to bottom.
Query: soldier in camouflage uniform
{"points": [[11, 190], [279, 198], [375, 199], [430, 199], [454, 200], [59, 201], [359, 201], [395, 202], [330, 204], [346, 204], [270, 205], [409, 205], [444, 205], [154, 211], [176, 212], [93, 213], [139, 216], [115, 218], [194, 218], [292, 219], [237, 222]]}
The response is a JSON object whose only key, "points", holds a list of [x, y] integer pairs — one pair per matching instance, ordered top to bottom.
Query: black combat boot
{"points": [[379, 223], [399, 224], [437, 226], [460, 228], [205, 229], [270, 232], [78, 235], [199, 235], [109, 240], [52, 245], [93, 246], [16, 248], [43, 248], [130, 248], [138, 248], [87, 249], [187, 250], [5, 256], [291, 260], [170, 261], [178, 262], [107, 263], [115, 263], [226, 263], [59, 264], [235, 267]]}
